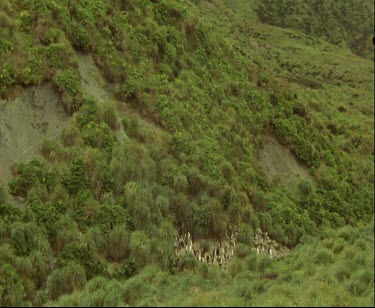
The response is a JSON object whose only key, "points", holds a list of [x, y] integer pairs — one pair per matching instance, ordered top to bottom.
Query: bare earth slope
{"points": [[36, 114], [280, 164]]}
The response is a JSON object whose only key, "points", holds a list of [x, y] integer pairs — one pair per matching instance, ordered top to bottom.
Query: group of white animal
{"points": [[263, 244], [220, 253], [217, 254]]}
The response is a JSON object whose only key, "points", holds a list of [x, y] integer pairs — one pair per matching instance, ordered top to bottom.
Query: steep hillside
{"points": [[348, 23], [165, 123], [332, 270]]}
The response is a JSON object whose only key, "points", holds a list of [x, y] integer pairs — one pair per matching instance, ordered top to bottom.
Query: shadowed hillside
{"points": [[348, 24]]}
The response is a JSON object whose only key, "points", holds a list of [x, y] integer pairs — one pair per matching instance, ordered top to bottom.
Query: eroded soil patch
{"points": [[36, 114], [280, 165]]}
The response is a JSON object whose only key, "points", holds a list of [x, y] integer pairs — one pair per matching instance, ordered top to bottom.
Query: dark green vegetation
{"points": [[349, 24], [197, 85], [331, 270]]}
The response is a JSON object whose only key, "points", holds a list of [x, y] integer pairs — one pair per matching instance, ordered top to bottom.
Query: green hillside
{"points": [[349, 24], [183, 116], [333, 270]]}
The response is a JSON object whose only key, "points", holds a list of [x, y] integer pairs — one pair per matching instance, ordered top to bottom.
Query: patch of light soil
{"points": [[95, 86], [35, 115], [280, 165]]}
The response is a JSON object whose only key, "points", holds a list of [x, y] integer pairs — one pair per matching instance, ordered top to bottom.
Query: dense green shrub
{"points": [[26, 21], [79, 37], [56, 56], [36, 69], [7, 78], [67, 81], [68, 84], [89, 113], [109, 115], [98, 136], [27, 175], [75, 179], [9, 213], [46, 215], [111, 215], [68, 233], [25, 238], [118, 244], [140, 248], [83, 255], [187, 262], [124, 270], [66, 280], [11, 289]]}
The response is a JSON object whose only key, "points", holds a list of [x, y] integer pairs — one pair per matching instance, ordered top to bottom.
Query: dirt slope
{"points": [[36, 114], [281, 165]]}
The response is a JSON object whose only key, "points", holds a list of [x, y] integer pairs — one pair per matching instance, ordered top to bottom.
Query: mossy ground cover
{"points": [[195, 87]]}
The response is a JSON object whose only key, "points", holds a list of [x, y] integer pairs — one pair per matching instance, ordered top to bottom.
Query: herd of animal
{"points": [[263, 244], [219, 253]]}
